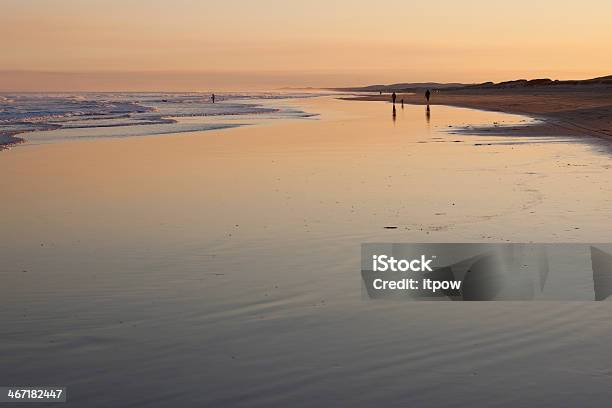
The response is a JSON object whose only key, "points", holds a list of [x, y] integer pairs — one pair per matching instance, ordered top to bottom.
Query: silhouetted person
{"points": [[380, 92], [427, 95], [393, 96], [213, 98], [402, 103]]}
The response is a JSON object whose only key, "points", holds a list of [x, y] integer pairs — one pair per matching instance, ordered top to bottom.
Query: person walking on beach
{"points": [[427, 95], [393, 96], [213, 98], [402, 103]]}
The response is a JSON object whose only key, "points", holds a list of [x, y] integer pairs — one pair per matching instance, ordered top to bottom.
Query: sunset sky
{"points": [[232, 44]]}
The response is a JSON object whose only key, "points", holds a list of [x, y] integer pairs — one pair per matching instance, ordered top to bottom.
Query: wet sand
{"points": [[563, 111], [222, 268]]}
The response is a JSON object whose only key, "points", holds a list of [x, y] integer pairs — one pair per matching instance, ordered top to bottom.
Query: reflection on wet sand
{"points": [[427, 113], [245, 241]]}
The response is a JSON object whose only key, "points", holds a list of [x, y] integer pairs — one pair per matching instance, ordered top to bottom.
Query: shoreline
{"points": [[559, 112], [148, 115]]}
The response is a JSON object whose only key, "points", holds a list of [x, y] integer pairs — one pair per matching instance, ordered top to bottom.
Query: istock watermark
{"points": [[385, 263], [487, 271]]}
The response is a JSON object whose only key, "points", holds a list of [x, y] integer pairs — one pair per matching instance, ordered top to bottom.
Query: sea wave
{"points": [[31, 112]]}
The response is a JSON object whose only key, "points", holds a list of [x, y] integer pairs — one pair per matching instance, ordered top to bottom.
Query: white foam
{"points": [[45, 112]]}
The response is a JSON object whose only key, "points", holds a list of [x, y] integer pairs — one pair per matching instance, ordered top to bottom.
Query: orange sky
{"points": [[232, 44]]}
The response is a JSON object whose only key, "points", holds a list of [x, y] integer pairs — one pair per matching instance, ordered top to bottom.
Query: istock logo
{"points": [[384, 263]]}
